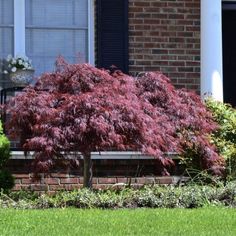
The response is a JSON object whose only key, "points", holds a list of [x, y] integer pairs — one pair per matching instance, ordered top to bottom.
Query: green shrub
{"points": [[225, 137], [4, 148], [6, 179], [23, 194]]}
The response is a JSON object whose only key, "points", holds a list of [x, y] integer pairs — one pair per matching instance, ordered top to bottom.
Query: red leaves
{"points": [[86, 109]]}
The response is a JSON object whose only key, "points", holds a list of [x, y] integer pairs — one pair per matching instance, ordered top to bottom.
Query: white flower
{"points": [[21, 56], [9, 57], [18, 62], [26, 65], [13, 69], [5, 72]]}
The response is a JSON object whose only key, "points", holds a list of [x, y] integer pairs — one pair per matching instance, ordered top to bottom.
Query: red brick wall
{"points": [[164, 35], [107, 173], [57, 181]]}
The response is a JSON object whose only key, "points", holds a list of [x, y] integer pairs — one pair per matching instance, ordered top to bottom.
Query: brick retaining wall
{"points": [[107, 173], [57, 181]]}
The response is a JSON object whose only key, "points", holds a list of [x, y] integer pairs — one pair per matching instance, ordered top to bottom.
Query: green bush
{"points": [[225, 137], [4, 148], [6, 179]]}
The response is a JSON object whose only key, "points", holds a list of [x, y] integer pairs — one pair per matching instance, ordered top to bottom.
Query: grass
{"points": [[204, 221]]}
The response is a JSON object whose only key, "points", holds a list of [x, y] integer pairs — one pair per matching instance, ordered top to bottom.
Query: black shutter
{"points": [[112, 34]]}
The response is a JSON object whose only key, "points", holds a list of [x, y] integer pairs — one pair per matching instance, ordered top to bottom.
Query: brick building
{"points": [[134, 35], [165, 36], [190, 41]]}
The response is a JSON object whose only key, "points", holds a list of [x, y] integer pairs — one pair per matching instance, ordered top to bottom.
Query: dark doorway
{"points": [[229, 52]]}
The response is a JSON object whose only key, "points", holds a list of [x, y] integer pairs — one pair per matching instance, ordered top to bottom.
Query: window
{"points": [[6, 27], [56, 27], [45, 30]]}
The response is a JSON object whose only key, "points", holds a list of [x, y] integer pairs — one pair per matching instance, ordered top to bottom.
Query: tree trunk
{"points": [[88, 171]]}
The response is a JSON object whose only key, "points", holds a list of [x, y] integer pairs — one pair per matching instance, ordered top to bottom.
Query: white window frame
{"points": [[3, 26], [19, 29]]}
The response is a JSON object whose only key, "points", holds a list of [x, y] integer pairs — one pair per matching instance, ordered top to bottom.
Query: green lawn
{"points": [[205, 221]]}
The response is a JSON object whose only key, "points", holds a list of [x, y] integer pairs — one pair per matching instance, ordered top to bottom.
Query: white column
{"points": [[19, 27], [211, 49]]}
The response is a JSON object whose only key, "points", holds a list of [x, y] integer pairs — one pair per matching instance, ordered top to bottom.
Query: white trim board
{"points": [[19, 27], [19, 155]]}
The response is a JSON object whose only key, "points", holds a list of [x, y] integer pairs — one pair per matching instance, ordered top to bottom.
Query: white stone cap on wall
{"points": [[115, 155]]}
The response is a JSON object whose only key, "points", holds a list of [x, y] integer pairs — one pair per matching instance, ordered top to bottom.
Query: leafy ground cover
{"points": [[155, 196], [203, 221]]}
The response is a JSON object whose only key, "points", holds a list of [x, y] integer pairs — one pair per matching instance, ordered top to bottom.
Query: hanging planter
{"points": [[20, 70], [22, 77]]}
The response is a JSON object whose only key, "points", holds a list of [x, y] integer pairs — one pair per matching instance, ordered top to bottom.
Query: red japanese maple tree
{"points": [[80, 108]]}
